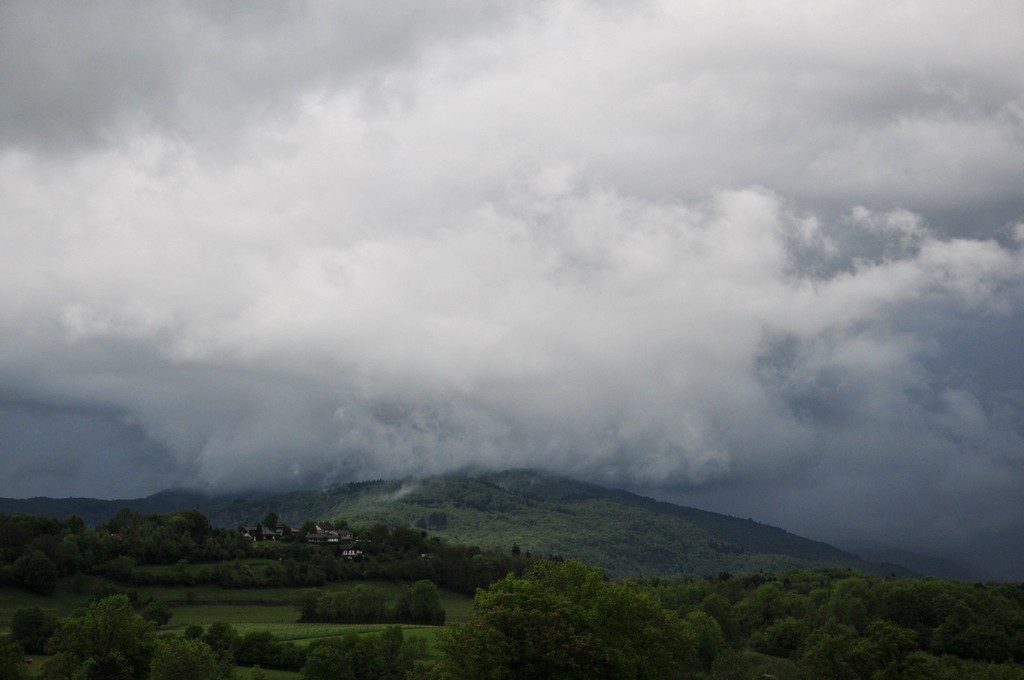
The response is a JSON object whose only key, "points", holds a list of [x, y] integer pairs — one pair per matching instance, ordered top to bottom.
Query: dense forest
{"points": [[532, 616]]}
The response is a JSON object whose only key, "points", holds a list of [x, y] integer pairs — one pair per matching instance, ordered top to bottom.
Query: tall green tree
{"points": [[37, 572], [420, 603], [158, 611], [565, 620], [31, 627], [222, 638], [109, 640], [829, 652], [384, 656], [182, 659], [328, 662], [11, 664]]}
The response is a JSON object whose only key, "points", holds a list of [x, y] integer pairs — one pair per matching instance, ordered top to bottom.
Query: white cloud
{"points": [[678, 244]]}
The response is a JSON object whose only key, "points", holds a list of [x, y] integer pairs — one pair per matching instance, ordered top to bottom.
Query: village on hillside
{"points": [[323, 533]]}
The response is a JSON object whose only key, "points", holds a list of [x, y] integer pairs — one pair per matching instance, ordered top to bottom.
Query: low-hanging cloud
{"points": [[769, 260]]}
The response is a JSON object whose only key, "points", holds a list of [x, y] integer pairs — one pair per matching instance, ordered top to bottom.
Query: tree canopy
{"points": [[565, 620], [106, 640]]}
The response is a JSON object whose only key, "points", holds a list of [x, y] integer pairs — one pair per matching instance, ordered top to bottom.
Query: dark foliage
{"points": [[31, 628]]}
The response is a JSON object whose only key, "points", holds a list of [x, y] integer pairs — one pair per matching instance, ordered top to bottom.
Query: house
{"points": [[285, 531], [258, 532], [324, 532], [323, 537], [351, 552]]}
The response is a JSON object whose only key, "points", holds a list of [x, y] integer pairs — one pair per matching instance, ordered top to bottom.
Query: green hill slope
{"points": [[627, 534]]}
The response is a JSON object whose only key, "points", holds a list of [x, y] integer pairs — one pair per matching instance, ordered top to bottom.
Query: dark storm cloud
{"points": [[768, 259], [55, 450]]}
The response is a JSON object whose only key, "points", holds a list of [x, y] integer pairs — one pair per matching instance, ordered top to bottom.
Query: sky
{"points": [[765, 258]]}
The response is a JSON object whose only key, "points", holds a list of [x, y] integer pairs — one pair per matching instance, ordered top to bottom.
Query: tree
{"points": [[125, 519], [194, 522], [73, 524], [37, 572], [420, 603], [362, 604], [718, 607], [157, 611], [564, 620], [31, 628], [193, 631], [708, 636], [783, 637], [222, 638], [107, 640], [258, 648], [886, 649], [828, 652], [383, 656], [183, 659], [328, 662], [11, 665]]}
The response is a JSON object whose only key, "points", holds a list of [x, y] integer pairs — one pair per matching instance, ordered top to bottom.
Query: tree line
{"points": [[35, 552], [417, 603]]}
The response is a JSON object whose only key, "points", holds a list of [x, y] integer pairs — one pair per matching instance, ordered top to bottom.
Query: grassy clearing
{"points": [[209, 593], [64, 601], [233, 614], [428, 633]]}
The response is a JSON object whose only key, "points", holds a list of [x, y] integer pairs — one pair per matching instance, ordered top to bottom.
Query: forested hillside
{"points": [[541, 514], [545, 515]]}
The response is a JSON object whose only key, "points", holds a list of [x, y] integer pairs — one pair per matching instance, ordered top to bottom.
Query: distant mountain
{"points": [[96, 511], [544, 514], [627, 534], [928, 565]]}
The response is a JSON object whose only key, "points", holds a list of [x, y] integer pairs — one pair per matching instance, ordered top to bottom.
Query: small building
{"points": [[285, 531], [258, 532], [323, 537], [351, 552]]}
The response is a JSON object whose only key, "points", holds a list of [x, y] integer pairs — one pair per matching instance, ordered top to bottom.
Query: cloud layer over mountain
{"points": [[766, 258]]}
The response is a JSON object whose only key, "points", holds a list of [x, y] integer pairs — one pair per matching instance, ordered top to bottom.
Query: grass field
{"points": [[64, 601], [204, 603], [272, 609], [248, 610]]}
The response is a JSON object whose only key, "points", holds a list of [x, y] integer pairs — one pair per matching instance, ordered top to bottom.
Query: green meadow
{"points": [[273, 610]]}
